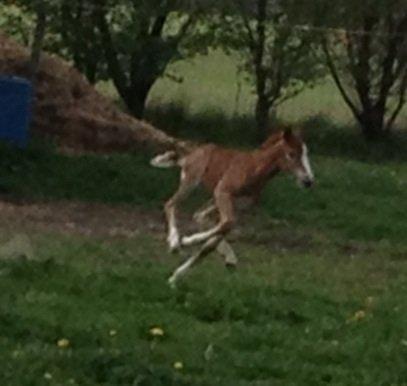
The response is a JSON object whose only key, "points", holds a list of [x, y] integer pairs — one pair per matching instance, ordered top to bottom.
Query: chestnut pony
{"points": [[228, 175]]}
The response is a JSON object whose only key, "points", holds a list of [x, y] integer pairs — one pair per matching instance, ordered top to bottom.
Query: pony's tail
{"points": [[168, 159]]}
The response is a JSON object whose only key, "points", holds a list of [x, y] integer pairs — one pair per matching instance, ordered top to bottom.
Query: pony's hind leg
{"points": [[187, 184], [224, 205], [201, 216], [223, 248]]}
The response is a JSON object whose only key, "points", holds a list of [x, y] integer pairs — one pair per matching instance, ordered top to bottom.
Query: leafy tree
{"points": [[15, 22], [26, 22], [78, 37], [131, 42], [138, 50], [366, 55], [278, 59]]}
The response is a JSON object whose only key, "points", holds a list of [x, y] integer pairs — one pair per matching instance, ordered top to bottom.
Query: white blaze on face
{"points": [[305, 162]]}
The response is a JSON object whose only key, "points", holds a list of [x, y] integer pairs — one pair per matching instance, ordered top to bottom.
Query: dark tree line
{"points": [[283, 47], [365, 51], [375, 58]]}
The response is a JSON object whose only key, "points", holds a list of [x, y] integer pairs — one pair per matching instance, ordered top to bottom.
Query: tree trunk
{"points": [[39, 35], [136, 99], [262, 106], [262, 118], [372, 124]]}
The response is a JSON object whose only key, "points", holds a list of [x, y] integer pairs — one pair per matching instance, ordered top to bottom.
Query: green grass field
{"points": [[213, 84], [318, 297], [309, 317]]}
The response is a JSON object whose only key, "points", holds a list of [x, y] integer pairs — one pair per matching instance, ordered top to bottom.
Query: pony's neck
{"points": [[267, 158]]}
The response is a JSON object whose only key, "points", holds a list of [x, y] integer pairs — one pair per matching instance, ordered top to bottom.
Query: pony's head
{"points": [[294, 158]]}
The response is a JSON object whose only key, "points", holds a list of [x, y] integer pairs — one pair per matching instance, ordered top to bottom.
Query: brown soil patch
{"points": [[87, 219]]}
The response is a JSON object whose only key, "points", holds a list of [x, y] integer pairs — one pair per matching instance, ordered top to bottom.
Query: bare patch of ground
{"points": [[87, 219], [126, 221]]}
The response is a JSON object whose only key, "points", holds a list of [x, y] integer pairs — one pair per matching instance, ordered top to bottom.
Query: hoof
{"points": [[174, 244], [174, 248], [231, 267], [172, 282]]}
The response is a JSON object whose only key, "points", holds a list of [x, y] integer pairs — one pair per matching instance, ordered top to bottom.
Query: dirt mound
{"points": [[69, 110]]}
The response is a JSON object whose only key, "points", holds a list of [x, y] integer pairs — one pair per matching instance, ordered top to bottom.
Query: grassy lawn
{"points": [[212, 83], [319, 296], [82, 311]]}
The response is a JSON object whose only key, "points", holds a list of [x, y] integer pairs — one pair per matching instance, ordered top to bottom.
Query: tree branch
{"points": [[158, 25], [184, 29], [261, 30], [250, 34], [39, 35], [350, 50], [258, 54], [114, 67], [362, 70], [334, 73], [389, 76], [277, 82], [400, 103]]}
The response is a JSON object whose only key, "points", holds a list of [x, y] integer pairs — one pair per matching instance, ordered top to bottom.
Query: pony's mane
{"points": [[284, 131], [272, 139]]}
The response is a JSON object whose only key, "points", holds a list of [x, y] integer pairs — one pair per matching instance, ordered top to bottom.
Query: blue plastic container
{"points": [[15, 110]]}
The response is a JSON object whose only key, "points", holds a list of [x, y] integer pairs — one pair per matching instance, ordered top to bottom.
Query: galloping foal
{"points": [[228, 174]]}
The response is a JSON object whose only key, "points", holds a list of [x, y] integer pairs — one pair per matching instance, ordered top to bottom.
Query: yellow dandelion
{"points": [[357, 316], [156, 331], [63, 343], [178, 365], [48, 376]]}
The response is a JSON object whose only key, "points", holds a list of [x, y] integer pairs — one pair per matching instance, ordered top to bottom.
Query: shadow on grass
{"points": [[209, 126], [323, 135], [328, 139], [40, 173]]}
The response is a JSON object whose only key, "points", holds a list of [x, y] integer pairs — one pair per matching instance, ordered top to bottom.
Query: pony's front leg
{"points": [[208, 247]]}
